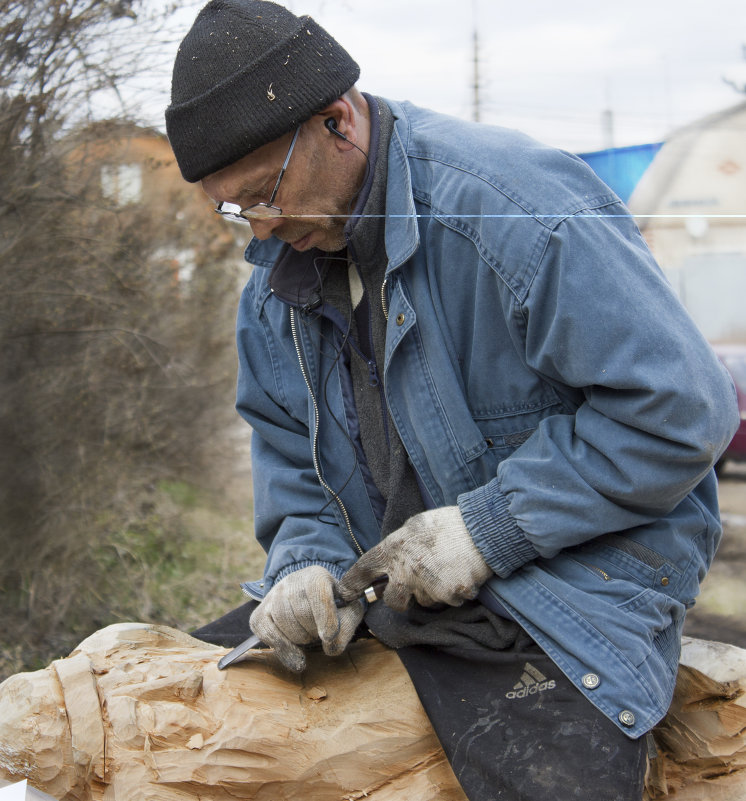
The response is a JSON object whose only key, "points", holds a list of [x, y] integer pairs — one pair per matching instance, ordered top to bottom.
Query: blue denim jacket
{"points": [[541, 374]]}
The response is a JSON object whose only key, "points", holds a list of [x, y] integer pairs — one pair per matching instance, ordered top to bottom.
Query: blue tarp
{"points": [[621, 167]]}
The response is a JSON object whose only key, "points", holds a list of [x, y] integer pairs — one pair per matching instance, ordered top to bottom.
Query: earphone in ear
{"points": [[331, 126]]}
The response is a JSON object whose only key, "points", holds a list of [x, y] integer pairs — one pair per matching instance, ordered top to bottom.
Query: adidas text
{"points": [[532, 681], [534, 688]]}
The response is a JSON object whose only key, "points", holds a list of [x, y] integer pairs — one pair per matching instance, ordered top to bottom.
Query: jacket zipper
{"points": [[384, 301], [372, 374], [315, 443], [602, 573]]}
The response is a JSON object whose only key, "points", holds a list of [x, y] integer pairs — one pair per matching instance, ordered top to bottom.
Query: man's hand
{"points": [[431, 557], [300, 610]]}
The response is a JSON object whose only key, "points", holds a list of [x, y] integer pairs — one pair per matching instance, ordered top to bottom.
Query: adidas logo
{"points": [[532, 681]]}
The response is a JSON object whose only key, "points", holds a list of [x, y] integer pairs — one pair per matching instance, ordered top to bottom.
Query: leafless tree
{"points": [[109, 373]]}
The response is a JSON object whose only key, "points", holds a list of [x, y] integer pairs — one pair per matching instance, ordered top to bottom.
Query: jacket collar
{"points": [[402, 232]]}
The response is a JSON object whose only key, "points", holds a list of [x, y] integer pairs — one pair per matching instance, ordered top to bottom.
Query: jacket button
{"points": [[400, 319], [664, 581], [590, 681], [626, 718]]}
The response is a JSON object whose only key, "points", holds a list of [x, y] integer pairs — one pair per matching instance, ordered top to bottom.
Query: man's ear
{"points": [[339, 120], [331, 125]]}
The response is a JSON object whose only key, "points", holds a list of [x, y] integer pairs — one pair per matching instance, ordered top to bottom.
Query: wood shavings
{"points": [[316, 693]]}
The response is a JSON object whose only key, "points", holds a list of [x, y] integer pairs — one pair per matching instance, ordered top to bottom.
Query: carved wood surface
{"points": [[140, 712], [703, 737]]}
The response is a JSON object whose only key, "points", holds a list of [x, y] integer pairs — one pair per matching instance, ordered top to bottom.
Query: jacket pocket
{"points": [[505, 432], [622, 558], [676, 573], [630, 614]]}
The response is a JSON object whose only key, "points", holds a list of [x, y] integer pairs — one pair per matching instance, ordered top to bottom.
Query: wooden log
{"points": [[141, 712], [176, 728], [702, 739]]}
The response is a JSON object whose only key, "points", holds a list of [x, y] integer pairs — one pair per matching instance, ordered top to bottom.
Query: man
{"points": [[464, 372]]}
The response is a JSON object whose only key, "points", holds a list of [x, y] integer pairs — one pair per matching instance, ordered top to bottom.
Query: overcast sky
{"points": [[550, 69]]}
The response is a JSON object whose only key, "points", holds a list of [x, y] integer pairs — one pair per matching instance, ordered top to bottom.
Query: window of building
{"points": [[122, 183]]}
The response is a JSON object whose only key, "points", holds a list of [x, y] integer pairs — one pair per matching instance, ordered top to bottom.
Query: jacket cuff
{"points": [[494, 530], [336, 570], [257, 590]]}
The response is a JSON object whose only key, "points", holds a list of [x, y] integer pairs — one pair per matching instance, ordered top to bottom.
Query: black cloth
{"points": [[229, 630], [463, 630], [512, 726]]}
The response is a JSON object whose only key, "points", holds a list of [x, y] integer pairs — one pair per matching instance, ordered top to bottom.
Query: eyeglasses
{"points": [[259, 211]]}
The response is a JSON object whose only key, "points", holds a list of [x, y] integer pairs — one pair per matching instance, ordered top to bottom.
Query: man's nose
{"points": [[263, 229]]}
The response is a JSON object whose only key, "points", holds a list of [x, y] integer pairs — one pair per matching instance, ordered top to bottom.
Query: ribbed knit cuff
{"points": [[494, 530], [334, 569]]}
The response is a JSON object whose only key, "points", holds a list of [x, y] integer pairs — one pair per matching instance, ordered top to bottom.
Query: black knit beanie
{"points": [[248, 72]]}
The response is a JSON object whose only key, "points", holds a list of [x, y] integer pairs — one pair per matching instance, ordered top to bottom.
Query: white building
{"points": [[691, 207]]}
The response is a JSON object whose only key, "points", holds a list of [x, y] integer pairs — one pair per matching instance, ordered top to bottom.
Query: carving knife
{"points": [[372, 593]]}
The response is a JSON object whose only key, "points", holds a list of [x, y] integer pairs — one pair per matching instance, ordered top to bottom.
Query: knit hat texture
{"points": [[248, 72]]}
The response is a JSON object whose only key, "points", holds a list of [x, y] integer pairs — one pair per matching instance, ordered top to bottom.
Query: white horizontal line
{"points": [[527, 215], [729, 519]]}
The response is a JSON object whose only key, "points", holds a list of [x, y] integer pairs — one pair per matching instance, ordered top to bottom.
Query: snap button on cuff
{"points": [[591, 681], [627, 718]]}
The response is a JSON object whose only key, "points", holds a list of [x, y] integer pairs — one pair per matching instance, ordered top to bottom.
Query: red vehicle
{"points": [[734, 359]]}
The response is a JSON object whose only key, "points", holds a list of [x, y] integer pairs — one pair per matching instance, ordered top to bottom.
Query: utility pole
{"points": [[737, 77], [476, 108], [607, 119], [607, 128]]}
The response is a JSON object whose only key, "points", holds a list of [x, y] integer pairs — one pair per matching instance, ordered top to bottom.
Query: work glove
{"points": [[432, 558], [300, 610]]}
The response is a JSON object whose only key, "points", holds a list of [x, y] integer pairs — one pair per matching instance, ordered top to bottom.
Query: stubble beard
{"points": [[331, 230]]}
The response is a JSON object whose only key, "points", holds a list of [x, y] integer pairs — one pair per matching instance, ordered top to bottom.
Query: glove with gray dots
{"points": [[431, 559], [300, 610]]}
